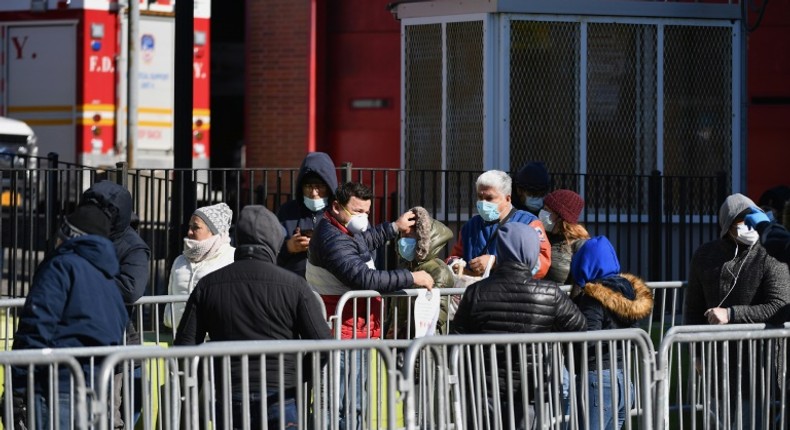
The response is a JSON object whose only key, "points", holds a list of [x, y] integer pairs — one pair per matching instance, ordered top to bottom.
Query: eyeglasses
{"points": [[316, 187]]}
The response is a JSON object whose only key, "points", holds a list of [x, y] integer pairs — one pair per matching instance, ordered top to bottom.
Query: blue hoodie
{"points": [[295, 214], [73, 301]]}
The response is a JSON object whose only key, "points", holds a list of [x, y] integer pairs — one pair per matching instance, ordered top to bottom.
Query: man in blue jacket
{"points": [[315, 187], [73, 302]]}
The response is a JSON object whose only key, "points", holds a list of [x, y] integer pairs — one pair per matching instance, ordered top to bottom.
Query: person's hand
{"points": [[756, 217], [405, 222], [298, 243], [457, 265], [477, 266], [423, 279], [717, 316]]}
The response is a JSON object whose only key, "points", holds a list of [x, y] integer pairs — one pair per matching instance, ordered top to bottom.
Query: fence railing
{"points": [[655, 222], [700, 377]]}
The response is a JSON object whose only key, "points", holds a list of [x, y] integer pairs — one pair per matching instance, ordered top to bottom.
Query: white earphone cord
{"points": [[736, 274]]}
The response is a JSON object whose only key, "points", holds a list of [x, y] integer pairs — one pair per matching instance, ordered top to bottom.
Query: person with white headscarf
{"points": [[206, 249]]}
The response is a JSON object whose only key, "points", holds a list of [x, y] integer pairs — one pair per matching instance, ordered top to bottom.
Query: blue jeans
{"points": [[357, 383], [605, 403], [272, 411], [44, 415]]}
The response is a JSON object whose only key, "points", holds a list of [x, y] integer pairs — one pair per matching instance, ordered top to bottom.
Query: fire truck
{"points": [[64, 71]]}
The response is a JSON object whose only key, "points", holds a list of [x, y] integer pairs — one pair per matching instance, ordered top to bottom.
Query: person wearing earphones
{"points": [[733, 279]]}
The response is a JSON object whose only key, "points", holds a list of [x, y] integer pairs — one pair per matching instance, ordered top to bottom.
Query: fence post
{"points": [[346, 171], [121, 172], [721, 188], [51, 207], [654, 226]]}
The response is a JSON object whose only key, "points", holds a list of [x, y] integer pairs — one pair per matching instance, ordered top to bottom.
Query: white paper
{"points": [[426, 313]]}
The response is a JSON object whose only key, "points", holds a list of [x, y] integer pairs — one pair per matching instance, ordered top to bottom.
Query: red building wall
{"points": [[357, 58], [277, 82], [768, 154]]}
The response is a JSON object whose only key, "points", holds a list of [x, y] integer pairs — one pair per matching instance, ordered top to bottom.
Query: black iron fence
{"points": [[655, 222]]}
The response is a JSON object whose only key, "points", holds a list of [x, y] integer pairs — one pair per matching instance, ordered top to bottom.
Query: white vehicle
{"points": [[18, 150]]}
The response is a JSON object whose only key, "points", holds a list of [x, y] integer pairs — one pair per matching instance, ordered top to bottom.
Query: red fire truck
{"points": [[64, 68]]}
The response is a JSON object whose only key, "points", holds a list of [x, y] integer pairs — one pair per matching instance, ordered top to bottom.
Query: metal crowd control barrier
{"points": [[147, 313], [396, 319], [730, 376], [448, 380], [223, 382], [42, 394]]}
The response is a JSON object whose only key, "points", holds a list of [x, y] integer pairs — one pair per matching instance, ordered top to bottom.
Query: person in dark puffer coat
{"points": [[315, 187], [341, 260], [609, 300], [511, 301]]}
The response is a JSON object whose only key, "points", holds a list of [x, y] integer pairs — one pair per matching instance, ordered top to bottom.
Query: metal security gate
{"points": [[585, 88]]}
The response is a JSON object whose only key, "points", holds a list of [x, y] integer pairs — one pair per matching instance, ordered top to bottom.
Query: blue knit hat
{"points": [[518, 242], [596, 259]]}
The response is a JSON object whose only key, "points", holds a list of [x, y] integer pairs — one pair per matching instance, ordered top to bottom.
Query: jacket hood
{"points": [[320, 164], [115, 200], [733, 206], [259, 234], [432, 235], [518, 242], [97, 250], [594, 260], [610, 293]]}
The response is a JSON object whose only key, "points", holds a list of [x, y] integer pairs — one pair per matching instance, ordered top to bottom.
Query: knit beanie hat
{"points": [[533, 176], [566, 204], [733, 206], [216, 217], [86, 219], [518, 242], [596, 259]]}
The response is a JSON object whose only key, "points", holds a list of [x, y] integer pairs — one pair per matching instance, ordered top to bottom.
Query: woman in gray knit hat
{"points": [[206, 249], [733, 280]]}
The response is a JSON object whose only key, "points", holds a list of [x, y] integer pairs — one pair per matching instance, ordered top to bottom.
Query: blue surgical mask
{"points": [[534, 204], [315, 205], [488, 210], [407, 248], [536, 268]]}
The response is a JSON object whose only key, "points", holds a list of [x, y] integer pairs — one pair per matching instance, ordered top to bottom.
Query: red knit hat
{"points": [[566, 204]]}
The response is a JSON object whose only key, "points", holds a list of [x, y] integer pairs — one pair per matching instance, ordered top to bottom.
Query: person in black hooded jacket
{"points": [[315, 187], [133, 256], [253, 299], [511, 301]]}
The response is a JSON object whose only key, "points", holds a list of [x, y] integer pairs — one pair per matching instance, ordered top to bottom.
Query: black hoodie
{"points": [[295, 214], [133, 253]]}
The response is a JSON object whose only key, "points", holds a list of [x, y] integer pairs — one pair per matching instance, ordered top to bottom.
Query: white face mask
{"points": [[545, 218], [358, 223], [747, 235]]}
